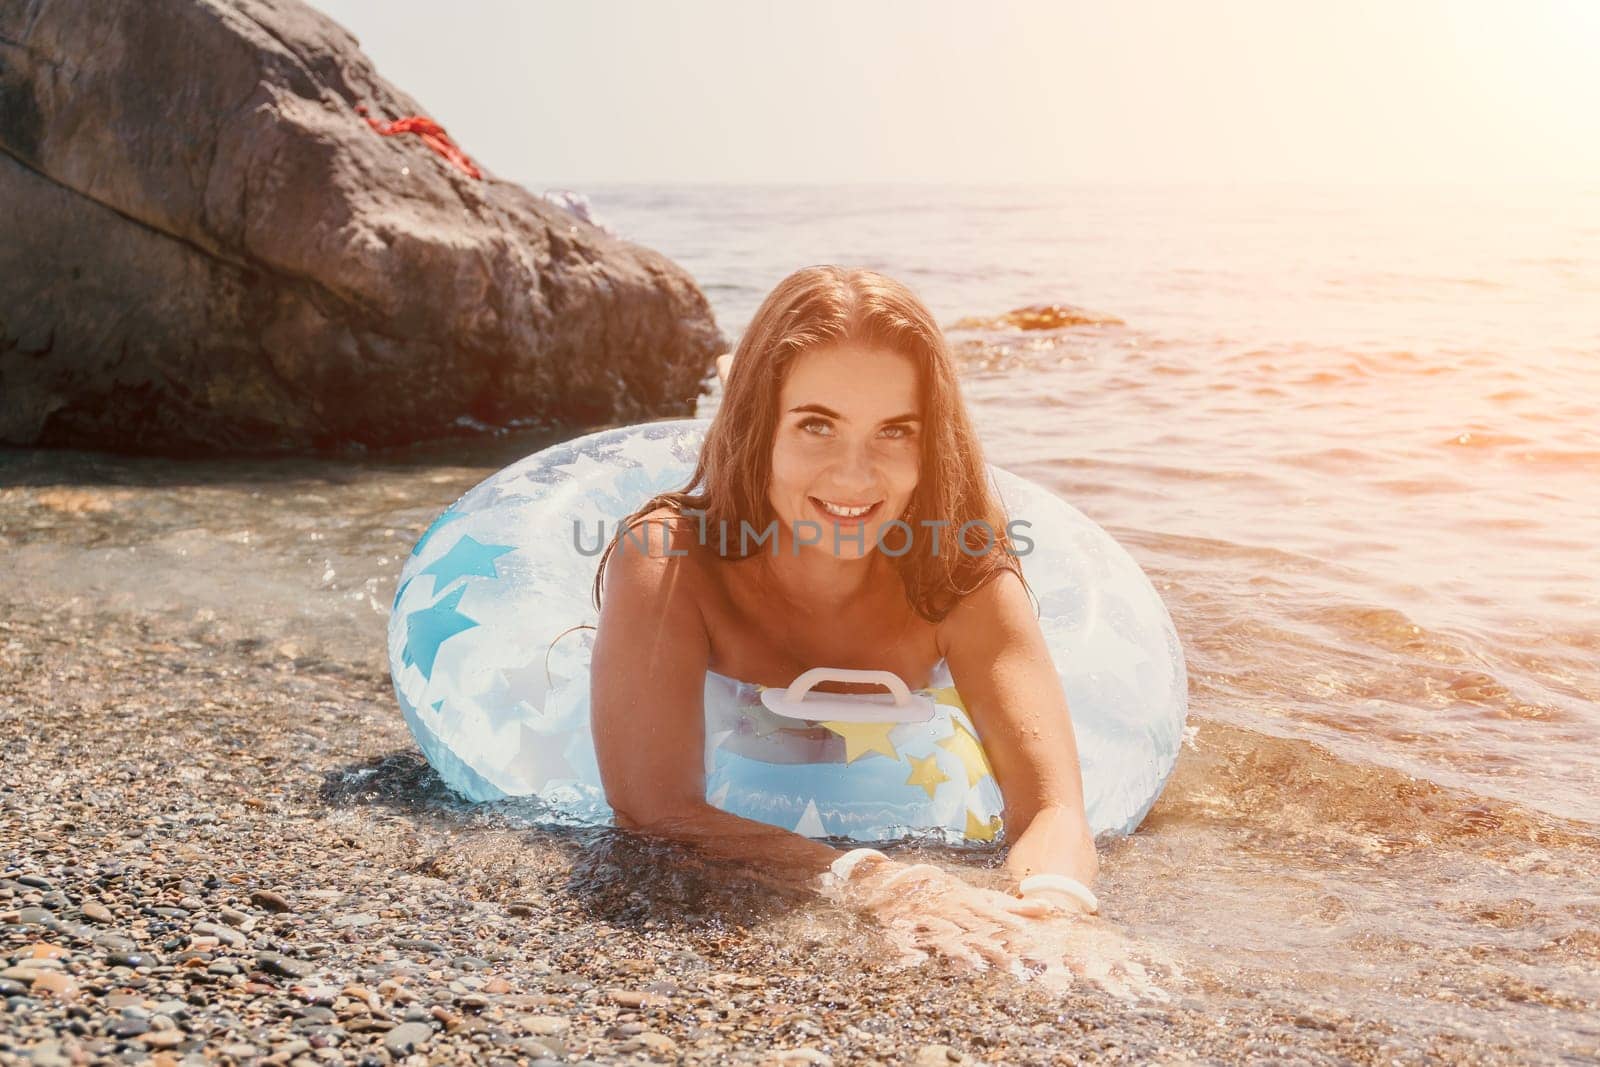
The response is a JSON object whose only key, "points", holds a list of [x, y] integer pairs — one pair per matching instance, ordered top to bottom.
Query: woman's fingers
{"points": [[910, 879], [958, 930], [950, 938], [905, 939], [1051, 974], [1142, 981]]}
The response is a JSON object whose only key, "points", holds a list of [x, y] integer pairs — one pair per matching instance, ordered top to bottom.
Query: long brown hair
{"points": [[823, 306]]}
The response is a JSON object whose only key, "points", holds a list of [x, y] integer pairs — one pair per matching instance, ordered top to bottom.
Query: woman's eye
{"points": [[824, 428]]}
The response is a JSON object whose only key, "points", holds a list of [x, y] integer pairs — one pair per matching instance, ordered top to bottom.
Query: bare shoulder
{"points": [[662, 534], [657, 559], [993, 614]]}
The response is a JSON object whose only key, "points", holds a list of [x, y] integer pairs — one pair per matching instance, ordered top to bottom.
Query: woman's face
{"points": [[848, 438]]}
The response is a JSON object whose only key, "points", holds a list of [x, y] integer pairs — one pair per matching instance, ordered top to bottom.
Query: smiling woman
{"points": [[842, 395], [841, 437], [834, 528]]}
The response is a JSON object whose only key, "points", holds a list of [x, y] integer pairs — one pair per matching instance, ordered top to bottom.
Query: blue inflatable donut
{"points": [[492, 626]]}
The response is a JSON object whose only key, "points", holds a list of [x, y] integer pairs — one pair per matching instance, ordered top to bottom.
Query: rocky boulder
{"points": [[204, 246]]}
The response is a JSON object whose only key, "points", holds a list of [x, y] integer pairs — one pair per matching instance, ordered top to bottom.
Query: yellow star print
{"points": [[949, 697], [861, 738], [965, 747], [926, 773], [977, 831]]}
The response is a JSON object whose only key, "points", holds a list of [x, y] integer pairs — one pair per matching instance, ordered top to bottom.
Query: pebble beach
{"points": [[196, 870]]}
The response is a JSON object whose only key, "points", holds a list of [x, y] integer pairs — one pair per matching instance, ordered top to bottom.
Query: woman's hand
{"points": [[1055, 841], [927, 910], [1045, 938]]}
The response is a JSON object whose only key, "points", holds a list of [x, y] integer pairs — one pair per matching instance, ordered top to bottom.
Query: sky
{"points": [[1053, 91]]}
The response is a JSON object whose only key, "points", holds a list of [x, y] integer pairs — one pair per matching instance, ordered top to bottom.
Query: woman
{"points": [[841, 413]]}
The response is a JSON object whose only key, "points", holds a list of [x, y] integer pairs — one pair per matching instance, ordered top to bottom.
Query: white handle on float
{"points": [[902, 706]]}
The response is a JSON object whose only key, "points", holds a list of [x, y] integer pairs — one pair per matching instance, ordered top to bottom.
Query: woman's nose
{"points": [[853, 468]]}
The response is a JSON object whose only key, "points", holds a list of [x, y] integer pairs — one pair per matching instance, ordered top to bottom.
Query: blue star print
{"points": [[438, 524], [467, 557], [431, 627]]}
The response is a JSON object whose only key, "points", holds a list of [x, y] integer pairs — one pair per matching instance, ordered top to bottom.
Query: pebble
{"points": [[270, 901], [96, 911], [225, 934], [114, 942], [128, 959], [284, 967], [56, 984], [361, 993], [629, 998], [368, 1025], [544, 1025], [408, 1037], [162, 1039], [657, 1044], [48, 1054]]}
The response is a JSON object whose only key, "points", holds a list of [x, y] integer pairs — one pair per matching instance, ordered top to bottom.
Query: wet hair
{"points": [[824, 306]]}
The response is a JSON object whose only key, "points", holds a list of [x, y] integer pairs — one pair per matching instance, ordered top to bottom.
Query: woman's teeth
{"points": [[842, 511]]}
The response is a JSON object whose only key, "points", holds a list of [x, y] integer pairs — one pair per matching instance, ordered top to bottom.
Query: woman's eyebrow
{"points": [[818, 409]]}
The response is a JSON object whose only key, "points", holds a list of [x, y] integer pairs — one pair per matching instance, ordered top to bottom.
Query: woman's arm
{"points": [[1002, 667], [647, 693]]}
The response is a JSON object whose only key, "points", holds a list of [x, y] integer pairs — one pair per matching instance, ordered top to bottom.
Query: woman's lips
{"points": [[843, 520]]}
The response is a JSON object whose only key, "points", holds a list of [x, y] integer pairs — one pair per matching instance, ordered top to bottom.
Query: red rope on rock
{"points": [[432, 135]]}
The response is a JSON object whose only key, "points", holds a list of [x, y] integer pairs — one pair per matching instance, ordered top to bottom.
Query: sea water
{"points": [[1353, 436]]}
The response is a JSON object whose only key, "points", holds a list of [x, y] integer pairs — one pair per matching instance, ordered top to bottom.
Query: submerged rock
{"points": [[203, 246], [1040, 317]]}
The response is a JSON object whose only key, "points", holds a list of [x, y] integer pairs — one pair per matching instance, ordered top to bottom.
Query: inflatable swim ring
{"points": [[491, 630]]}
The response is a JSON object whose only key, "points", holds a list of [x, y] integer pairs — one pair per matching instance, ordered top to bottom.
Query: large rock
{"points": [[203, 246]]}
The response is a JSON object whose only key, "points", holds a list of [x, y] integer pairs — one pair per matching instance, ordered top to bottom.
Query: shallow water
{"points": [[1350, 434]]}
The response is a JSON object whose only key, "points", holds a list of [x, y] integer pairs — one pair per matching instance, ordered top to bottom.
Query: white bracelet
{"points": [[846, 864], [840, 870], [1070, 886]]}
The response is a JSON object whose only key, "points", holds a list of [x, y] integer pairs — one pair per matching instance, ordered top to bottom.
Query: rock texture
{"points": [[204, 247], [1039, 317]]}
